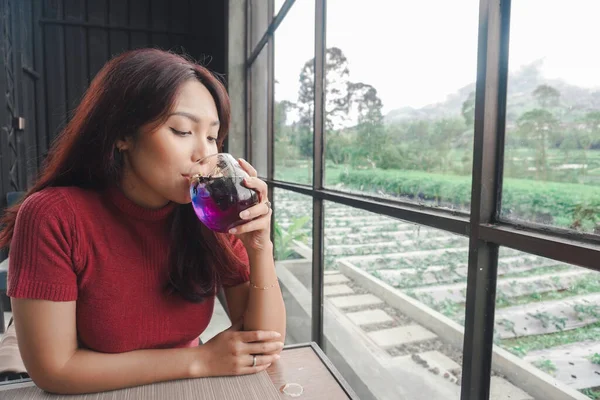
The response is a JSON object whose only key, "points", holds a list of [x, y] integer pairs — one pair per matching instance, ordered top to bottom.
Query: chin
{"points": [[181, 199]]}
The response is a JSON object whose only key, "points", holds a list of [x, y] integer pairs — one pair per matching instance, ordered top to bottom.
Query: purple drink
{"points": [[218, 202]]}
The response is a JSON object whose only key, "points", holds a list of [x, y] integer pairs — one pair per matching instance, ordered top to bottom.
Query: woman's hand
{"points": [[256, 233], [232, 352]]}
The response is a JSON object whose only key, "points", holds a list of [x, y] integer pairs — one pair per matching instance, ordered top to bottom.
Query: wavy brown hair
{"points": [[133, 90]]}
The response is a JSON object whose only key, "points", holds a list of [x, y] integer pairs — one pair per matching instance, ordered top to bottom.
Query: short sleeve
{"points": [[41, 256], [242, 269]]}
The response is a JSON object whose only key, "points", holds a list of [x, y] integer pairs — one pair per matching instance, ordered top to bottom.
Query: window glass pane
{"points": [[278, 4], [259, 19], [400, 99], [293, 119], [258, 124], [552, 156], [293, 228], [394, 305], [547, 319]]}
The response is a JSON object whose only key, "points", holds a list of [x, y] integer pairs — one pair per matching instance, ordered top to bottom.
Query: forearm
{"points": [[266, 309], [89, 371]]}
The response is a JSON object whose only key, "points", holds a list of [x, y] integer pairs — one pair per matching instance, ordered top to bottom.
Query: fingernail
{"points": [[244, 214], [232, 230], [276, 334], [280, 344], [277, 356]]}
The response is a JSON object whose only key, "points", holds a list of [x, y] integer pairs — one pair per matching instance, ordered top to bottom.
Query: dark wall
{"points": [[55, 47]]}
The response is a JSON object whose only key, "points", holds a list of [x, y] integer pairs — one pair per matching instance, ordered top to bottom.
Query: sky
{"points": [[418, 52]]}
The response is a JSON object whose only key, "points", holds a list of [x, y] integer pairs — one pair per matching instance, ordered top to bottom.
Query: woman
{"points": [[112, 277]]}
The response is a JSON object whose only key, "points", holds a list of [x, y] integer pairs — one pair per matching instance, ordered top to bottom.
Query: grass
{"points": [[303, 174], [547, 202], [538, 271], [580, 287], [523, 345], [545, 365], [592, 393]]}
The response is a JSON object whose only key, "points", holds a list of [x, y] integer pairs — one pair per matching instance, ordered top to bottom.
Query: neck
{"points": [[140, 193]]}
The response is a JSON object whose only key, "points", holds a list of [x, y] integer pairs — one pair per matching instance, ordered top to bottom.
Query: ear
{"points": [[124, 144]]}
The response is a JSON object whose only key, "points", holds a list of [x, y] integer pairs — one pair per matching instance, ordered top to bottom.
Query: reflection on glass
{"points": [[278, 4], [259, 18], [293, 112], [399, 122], [258, 123], [552, 156], [293, 256], [376, 267], [548, 314]]}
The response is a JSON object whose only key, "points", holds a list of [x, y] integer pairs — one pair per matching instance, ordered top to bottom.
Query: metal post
{"points": [[490, 103], [318, 164]]}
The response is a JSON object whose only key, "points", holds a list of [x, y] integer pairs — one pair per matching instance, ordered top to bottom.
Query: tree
{"points": [[336, 87], [547, 96], [366, 105], [282, 108], [468, 110], [536, 128], [589, 135], [445, 136]]}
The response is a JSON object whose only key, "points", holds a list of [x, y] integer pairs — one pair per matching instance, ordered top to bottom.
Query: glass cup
{"points": [[217, 193]]}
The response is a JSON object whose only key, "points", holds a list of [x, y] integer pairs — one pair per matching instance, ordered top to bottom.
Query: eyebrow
{"points": [[193, 117]]}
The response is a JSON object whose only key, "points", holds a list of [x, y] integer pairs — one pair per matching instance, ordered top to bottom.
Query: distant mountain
{"points": [[574, 100]]}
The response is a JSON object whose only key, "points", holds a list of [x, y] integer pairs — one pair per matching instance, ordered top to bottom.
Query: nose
{"points": [[201, 149]]}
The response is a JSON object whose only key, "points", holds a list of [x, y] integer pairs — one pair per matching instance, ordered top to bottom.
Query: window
{"points": [[278, 4], [259, 22], [399, 99], [293, 108], [258, 112], [399, 124], [552, 157], [293, 257], [394, 304], [548, 316]]}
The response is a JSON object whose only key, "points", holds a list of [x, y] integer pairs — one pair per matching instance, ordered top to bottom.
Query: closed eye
{"points": [[180, 133]]}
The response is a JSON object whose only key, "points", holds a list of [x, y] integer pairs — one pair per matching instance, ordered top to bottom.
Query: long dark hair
{"points": [[134, 89]]}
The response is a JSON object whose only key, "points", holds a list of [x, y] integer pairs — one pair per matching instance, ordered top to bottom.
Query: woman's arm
{"points": [[260, 300], [262, 309], [47, 339]]}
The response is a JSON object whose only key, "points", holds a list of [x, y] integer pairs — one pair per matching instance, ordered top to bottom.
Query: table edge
{"points": [[328, 364], [26, 382]]}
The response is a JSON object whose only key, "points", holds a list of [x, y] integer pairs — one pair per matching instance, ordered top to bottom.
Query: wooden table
{"points": [[302, 367]]}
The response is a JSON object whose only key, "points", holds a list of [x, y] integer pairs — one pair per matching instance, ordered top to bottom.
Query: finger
{"points": [[247, 167], [256, 183], [259, 186], [255, 211], [260, 223], [258, 336], [263, 348], [263, 359], [262, 363], [255, 370]]}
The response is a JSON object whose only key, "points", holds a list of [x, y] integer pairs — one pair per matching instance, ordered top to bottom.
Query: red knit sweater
{"points": [[111, 256]]}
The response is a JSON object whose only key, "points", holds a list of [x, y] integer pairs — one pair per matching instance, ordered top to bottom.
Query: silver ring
{"points": [[268, 203], [253, 361]]}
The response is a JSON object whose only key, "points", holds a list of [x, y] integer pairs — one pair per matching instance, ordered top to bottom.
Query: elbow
{"points": [[51, 382], [46, 384], [56, 387]]}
